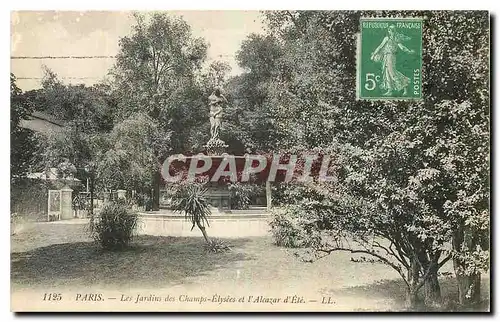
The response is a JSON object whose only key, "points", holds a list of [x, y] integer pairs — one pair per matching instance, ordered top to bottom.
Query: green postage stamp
{"points": [[390, 59]]}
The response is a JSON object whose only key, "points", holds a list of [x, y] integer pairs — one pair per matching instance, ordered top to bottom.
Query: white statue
{"points": [[216, 101]]}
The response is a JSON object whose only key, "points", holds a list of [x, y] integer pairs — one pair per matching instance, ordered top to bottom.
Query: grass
{"points": [[61, 255], [150, 261], [395, 289]]}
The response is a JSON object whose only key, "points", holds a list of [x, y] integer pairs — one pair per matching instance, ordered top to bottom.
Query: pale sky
{"points": [[96, 33]]}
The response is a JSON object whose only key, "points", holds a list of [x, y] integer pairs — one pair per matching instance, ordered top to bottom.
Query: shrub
{"points": [[241, 194], [292, 194], [29, 198], [191, 201], [114, 227], [285, 228], [217, 246]]}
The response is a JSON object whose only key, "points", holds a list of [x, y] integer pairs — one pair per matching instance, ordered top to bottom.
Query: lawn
{"points": [[62, 256]]}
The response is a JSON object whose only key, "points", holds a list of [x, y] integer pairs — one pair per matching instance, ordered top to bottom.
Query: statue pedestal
{"points": [[215, 147]]}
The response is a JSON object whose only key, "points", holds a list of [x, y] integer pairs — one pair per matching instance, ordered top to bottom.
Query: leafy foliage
{"points": [[155, 75], [87, 109], [87, 115], [250, 120], [22, 159], [121, 164], [399, 166], [241, 194], [191, 201], [114, 227], [285, 227], [217, 245]]}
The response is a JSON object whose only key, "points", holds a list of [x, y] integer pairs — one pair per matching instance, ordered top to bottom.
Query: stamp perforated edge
{"points": [[358, 61]]}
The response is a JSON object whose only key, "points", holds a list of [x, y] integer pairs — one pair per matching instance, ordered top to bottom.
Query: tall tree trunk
{"points": [[156, 191], [269, 199], [204, 232], [469, 284], [469, 289], [432, 290], [412, 299]]}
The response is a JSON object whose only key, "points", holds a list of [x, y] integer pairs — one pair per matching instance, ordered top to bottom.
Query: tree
{"points": [[462, 57], [155, 75], [216, 75], [87, 109], [87, 114], [249, 116], [23, 156], [121, 164], [400, 166]]}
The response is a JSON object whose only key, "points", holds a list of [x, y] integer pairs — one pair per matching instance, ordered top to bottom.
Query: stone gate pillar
{"points": [[66, 203]]}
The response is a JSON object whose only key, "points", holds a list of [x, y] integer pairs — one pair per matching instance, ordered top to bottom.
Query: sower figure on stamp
{"points": [[392, 79], [216, 100]]}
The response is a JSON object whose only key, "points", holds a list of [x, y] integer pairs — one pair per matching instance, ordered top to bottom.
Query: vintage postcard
{"points": [[260, 161]]}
